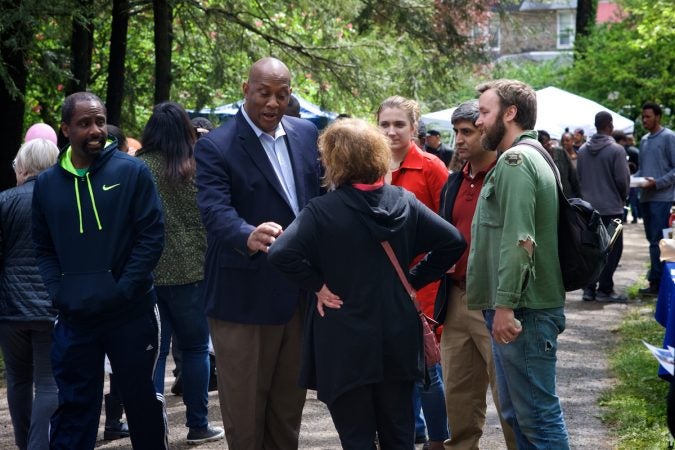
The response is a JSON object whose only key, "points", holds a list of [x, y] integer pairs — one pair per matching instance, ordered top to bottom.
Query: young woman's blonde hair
{"points": [[410, 107], [353, 151], [35, 156]]}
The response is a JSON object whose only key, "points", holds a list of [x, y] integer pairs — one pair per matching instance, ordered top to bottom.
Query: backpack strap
{"points": [[540, 148]]}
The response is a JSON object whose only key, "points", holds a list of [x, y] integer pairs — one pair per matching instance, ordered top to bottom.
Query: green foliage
{"points": [[16, 23], [346, 56], [625, 64], [48, 71], [537, 74], [636, 406]]}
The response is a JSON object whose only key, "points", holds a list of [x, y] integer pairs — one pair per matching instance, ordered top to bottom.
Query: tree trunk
{"points": [[586, 12], [163, 36], [81, 46], [118, 51], [12, 100]]}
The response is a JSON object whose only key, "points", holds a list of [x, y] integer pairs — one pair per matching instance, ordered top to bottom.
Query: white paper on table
{"points": [[637, 181], [665, 357]]}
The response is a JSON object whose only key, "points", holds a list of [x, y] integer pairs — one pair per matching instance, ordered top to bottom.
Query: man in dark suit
{"points": [[254, 174]]}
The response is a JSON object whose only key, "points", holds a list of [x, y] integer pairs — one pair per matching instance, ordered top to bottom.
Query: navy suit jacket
{"points": [[239, 190]]}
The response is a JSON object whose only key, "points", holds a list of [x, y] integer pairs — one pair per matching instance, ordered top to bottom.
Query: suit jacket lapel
{"points": [[294, 144], [251, 145]]}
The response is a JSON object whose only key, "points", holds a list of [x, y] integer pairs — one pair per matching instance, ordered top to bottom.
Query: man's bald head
{"points": [[269, 67], [266, 93]]}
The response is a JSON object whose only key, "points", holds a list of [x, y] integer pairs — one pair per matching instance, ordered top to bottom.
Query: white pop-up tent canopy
{"points": [[556, 110], [438, 120]]}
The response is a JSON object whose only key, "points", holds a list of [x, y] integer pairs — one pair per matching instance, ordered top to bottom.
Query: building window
{"points": [[566, 29]]}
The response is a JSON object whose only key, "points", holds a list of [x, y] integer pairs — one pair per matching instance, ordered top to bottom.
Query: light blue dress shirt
{"points": [[277, 153]]}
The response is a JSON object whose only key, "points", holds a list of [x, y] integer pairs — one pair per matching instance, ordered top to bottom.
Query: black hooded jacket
{"points": [[98, 238], [23, 297], [376, 334]]}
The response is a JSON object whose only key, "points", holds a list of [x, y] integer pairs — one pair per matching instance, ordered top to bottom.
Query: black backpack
{"points": [[583, 240]]}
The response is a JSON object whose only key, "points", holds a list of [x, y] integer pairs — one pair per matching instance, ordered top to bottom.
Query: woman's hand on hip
{"points": [[326, 298]]}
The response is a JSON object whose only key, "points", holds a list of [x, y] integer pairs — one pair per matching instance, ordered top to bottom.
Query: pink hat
{"points": [[41, 130]]}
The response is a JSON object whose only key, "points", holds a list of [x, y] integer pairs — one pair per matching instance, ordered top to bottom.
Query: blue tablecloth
{"points": [[665, 310]]}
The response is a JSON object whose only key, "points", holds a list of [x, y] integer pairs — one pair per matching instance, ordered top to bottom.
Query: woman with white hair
{"points": [[26, 313]]}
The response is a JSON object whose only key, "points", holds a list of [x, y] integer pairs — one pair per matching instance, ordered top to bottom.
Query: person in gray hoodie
{"points": [[657, 166], [605, 179]]}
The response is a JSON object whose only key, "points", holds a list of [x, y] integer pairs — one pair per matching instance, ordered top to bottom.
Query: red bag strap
{"points": [[406, 284]]}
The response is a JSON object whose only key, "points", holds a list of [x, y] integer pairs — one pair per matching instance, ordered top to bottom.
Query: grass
{"points": [[636, 407]]}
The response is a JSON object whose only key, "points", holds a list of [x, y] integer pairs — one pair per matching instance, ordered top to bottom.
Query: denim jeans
{"points": [[634, 202], [655, 217], [181, 310], [26, 347], [526, 379], [431, 402]]}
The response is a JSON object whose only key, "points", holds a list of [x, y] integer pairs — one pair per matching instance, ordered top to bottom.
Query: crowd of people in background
{"points": [[254, 252]]}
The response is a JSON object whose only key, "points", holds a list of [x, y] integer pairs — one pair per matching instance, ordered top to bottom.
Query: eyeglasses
{"points": [[14, 164]]}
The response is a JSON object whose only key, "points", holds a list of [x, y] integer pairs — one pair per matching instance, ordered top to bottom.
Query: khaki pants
{"points": [[468, 369], [258, 370]]}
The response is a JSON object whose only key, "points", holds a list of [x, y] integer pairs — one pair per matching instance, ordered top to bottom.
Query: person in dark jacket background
{"points": [[435, 146], [633, 158], [568, 172], [605, 179], [99, 232], [26, 314], [363, 342]]}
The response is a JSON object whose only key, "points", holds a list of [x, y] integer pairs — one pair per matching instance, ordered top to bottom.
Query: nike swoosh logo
{"points": [[107, 188]]}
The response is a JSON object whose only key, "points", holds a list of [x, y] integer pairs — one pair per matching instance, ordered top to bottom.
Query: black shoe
{"points": [[651, 291], [589, 295], [612, 297], [177, 386], [118, 432], [207, 434]]}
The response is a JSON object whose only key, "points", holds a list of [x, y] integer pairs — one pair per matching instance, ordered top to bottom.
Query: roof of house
{"points": [[535, 5], [547, 5], [607, 11]]}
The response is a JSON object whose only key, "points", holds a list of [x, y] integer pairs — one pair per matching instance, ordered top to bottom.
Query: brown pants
{"points": [[258, 368], [468, 369]]}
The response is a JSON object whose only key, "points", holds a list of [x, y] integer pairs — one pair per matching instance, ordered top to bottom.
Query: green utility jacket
{"points": [[517, 209]]}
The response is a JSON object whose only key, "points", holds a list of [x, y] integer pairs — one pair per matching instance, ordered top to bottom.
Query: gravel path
{"points": [[582, 376]]}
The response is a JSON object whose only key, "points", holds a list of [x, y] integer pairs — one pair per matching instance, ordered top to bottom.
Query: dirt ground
{"points": [[582, 376]]}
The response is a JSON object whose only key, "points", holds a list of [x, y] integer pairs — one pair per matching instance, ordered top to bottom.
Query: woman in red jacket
{"points": [[424, 175]]}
